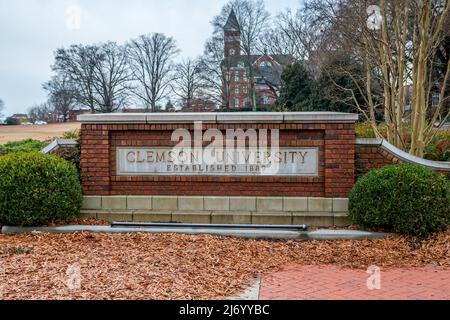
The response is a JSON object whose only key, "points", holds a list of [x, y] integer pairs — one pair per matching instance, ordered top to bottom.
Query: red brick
{"points": [[328, 282]]}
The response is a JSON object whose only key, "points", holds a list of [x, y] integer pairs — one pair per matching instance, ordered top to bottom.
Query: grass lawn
{"points": [[42, 133]]}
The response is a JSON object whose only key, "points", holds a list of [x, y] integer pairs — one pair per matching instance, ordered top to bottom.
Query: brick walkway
{"points": [[298, 282]]}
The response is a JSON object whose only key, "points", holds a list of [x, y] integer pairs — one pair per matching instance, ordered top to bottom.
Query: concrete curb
{"points": [[323, 234], [326, 234], [251, 293]]}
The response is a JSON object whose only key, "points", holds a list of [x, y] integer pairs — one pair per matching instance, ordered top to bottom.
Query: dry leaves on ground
{"points": [[171, 266]]}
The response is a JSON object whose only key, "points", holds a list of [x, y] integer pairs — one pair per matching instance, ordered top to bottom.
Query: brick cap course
{"points": [[221, 117]]}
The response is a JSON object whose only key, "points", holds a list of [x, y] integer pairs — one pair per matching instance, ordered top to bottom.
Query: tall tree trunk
{"points": [[419, 88]]}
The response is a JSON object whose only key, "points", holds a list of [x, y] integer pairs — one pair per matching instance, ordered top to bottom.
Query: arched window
{"points": [[265, 64]]}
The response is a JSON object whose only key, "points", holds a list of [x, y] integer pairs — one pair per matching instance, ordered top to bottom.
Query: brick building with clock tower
{"points": [[267, 70]]}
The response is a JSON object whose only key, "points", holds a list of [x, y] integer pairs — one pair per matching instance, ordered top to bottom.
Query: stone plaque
{"points": [[151, 161]]}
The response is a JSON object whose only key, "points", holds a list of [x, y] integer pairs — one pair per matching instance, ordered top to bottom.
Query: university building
{"points": [[267, 70]]}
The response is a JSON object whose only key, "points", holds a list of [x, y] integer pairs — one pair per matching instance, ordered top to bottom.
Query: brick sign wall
{"points": [[331, 133], [369, 157]]}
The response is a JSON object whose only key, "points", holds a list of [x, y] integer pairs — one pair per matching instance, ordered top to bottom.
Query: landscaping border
{"points": [[322, 235]]}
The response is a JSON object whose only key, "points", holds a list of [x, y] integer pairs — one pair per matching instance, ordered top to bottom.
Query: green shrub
{"points": [[364, 130], [74, 134], [27, 145], [439, 147], [36, 189], [408, 199]]}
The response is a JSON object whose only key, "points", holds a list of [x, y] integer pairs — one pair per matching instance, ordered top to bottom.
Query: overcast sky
{"points": [[31, 30]]}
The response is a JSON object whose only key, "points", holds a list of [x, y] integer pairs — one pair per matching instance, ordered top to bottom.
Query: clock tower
{"points": [[232, 36]]}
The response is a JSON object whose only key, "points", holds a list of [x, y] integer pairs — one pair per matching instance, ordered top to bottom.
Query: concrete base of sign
{"points": [[317, 212]]}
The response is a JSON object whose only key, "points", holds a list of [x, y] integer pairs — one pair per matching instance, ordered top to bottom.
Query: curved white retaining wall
{"points": [[59, 143], [404, 156]]}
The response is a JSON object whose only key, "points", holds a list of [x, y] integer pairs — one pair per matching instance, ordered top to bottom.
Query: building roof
{"points": [[232, 22], [234, 61], [262, 75], [268, 75], [80, 108], [19, 115]]}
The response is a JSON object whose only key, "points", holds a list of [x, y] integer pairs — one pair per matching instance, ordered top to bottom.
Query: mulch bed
{"points": [[171, 266]]}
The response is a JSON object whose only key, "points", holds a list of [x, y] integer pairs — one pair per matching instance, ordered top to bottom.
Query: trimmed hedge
{"points": [[27, 145], [36, 189], [405, 198]]}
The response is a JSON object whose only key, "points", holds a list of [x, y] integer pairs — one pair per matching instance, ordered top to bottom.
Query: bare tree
{"points": [[253, 20], [432, 27], [292, 35], [275, 42], [396, 43], [151, 60], [78, 64], [214, 70], [99, 72], [112, 77], [187, 81], [61, 95], [41, 112]]}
